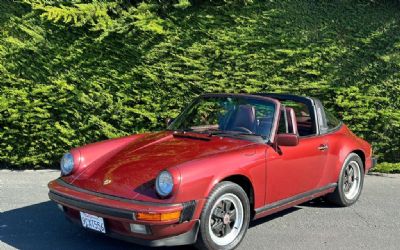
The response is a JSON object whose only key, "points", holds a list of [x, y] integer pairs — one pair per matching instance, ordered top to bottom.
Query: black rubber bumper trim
{"points": [[61, 182], [187, 211], [115, 212], [186, 214], [190, 237]]}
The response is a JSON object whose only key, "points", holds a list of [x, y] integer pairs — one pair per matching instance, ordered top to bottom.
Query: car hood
{"points": [[131, 172]]}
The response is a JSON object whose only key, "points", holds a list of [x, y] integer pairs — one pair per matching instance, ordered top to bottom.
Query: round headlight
{"points": [[67, 164], [164, 183]]}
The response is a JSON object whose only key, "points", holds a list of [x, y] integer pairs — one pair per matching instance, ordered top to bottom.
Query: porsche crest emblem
{"points": [[106, 182]]}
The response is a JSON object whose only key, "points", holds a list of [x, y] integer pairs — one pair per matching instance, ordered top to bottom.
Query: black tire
{"points": [[226, 188], [339, 196]]}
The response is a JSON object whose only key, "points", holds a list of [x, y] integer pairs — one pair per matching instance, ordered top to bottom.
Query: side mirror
{"points": [[168, 121], [288, 140]]}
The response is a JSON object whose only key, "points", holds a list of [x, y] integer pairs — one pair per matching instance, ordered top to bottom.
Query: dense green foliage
{"points": [[74, 72], [386, 167]]}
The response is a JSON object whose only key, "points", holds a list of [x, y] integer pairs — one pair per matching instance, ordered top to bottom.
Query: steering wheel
{"points": [[242, 129]]}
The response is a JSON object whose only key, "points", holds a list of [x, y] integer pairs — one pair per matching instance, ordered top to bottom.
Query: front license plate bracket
{"points": [[93, 222]]}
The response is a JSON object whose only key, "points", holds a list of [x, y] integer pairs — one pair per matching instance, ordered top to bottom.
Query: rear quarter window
{"points": [[331, 121]]}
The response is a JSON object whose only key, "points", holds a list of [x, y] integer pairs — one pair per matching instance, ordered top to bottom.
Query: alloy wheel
{"points": [[351, 180], [226, 219]]}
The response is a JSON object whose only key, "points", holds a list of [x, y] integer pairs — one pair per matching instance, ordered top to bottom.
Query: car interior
{"points": [[245, 118], [303, 119]]}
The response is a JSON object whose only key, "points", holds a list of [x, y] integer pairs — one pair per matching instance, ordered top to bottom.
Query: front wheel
{"points": [[350, 182], [225, 217]]}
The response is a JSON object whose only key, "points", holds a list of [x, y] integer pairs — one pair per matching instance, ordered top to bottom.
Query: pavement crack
{"points": [[361, 217]]}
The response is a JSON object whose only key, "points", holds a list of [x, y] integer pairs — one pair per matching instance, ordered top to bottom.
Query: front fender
{"points": [[99, 151], [200, 176]]}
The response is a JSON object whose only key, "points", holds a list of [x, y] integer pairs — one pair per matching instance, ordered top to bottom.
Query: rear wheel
{"points": [[350, 182], [225, 217]]}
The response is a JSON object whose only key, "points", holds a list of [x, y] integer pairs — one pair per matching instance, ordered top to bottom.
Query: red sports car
{"points": [[225, 160]]}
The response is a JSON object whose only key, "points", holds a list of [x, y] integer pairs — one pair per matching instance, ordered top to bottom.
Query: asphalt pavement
{"points": [[28, 220]]}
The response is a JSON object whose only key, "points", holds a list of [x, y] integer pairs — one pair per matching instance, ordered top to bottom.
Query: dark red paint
{"points": [[127, 168]]}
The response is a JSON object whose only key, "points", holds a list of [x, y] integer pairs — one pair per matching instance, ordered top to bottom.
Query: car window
{"points": [[209, 114], [251, 116], [264, 118], [331, 121], [305, 123], [282, 125]]}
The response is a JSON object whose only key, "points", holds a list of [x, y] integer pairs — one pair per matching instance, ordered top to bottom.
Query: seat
{"points": [[244, 117], [292, 122], [288, 126]]}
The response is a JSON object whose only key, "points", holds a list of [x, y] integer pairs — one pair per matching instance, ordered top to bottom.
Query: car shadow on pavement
{"points": [[318, 202], [274, 216], [43, 226]]}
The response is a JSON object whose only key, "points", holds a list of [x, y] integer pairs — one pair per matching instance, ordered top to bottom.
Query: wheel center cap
{"points": [[227, 219]]}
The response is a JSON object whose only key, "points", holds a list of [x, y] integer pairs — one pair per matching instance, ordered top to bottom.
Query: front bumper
{"points": [[119, 213]]}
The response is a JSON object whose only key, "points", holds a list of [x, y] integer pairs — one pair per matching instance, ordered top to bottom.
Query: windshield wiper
{"points": [[229, 132], [189, 134]]}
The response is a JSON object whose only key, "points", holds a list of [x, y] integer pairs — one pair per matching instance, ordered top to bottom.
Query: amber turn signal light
{"points": [[158, 216]]}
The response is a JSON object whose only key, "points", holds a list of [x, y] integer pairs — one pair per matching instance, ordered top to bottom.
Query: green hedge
{"points": [[75, 74], [389, 168]]}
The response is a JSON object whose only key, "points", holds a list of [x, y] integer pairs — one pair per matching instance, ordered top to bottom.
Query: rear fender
{"points": [[350, 143]]}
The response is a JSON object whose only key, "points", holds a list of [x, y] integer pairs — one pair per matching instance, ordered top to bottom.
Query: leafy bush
{"points": [[74, 72], [387, 168]]}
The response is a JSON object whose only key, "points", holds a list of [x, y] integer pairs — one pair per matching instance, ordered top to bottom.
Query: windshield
{"points": [[227, 116]]}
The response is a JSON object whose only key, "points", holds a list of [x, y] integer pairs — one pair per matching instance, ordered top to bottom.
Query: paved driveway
{"points": [[28, 220]]}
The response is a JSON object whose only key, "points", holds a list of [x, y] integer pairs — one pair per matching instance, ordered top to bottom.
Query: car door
{"points": [[293, 170]]}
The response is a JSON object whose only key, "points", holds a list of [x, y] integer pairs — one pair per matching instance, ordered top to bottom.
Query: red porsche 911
{"points": [[225, 160]]}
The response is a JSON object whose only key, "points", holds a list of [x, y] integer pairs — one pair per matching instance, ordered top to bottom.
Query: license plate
{"points": [[93, 222]]}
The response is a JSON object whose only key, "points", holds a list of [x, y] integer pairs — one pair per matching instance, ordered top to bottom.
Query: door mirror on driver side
{"points": [[287, 140]]}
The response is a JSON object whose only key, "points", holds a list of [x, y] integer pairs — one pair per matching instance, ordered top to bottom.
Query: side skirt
{"points": [[293, 201]]}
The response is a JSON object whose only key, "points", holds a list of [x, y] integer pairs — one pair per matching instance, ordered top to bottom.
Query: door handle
{"points": [[323, 147]]}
